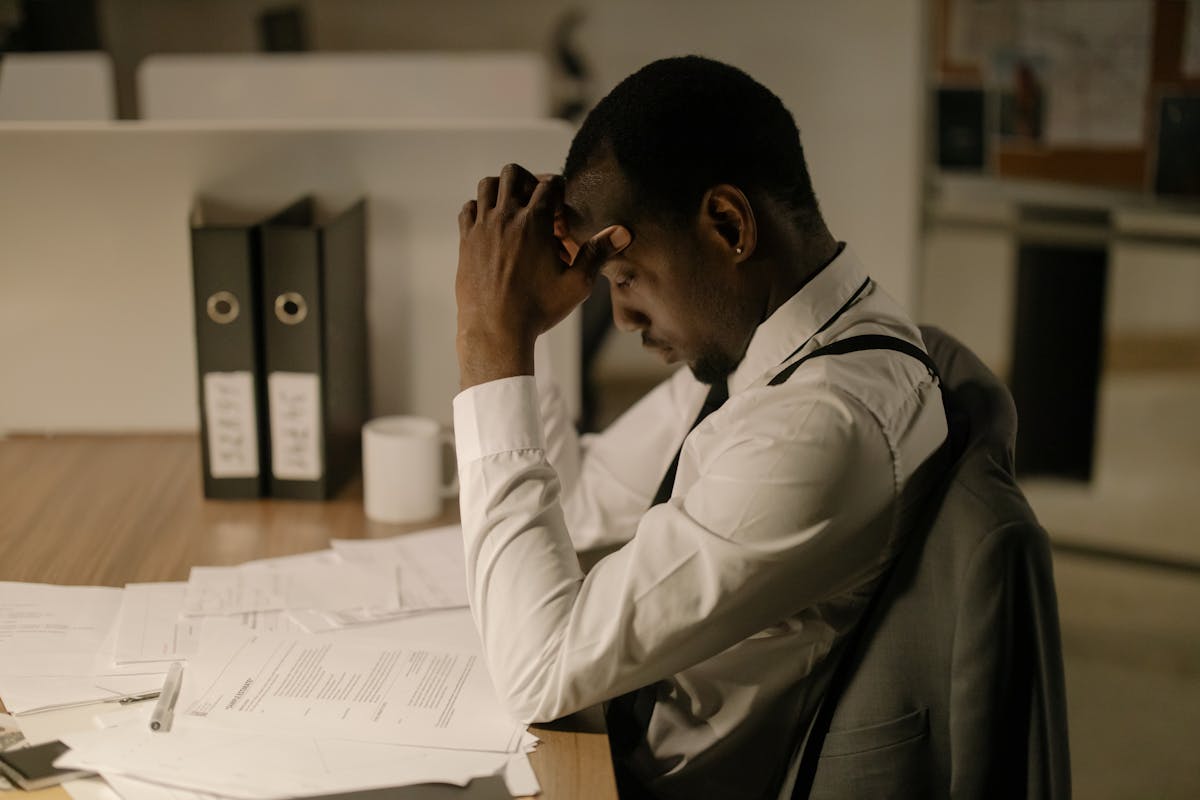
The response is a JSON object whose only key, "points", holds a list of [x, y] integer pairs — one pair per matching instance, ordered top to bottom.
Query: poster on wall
{"points": [[978, 28], [1093, 60], [1064, 72]]}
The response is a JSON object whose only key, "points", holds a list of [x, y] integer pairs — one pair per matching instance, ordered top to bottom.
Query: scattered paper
{"points": [[429, 567], [329, 584], [153, 627], [451, 628], [54, 630], [57, 644], [393, 692], [398, 693], [28, 694], [46, 726], [256, 766], [519, 777], [94, 788], [134, 789]]}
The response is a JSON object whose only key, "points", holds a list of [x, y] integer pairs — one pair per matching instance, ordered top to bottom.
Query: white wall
{"points": [[852, 75], [968, 288]]}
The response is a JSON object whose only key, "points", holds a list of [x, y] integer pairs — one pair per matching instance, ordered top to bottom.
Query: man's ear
{"points": [[727, 215]]}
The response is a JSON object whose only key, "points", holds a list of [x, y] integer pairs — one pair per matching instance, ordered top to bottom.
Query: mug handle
{"points": [[450, 489]]}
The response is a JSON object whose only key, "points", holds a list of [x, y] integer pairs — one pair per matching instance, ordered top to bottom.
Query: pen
{"points": [[137, 698], [164, 709]]}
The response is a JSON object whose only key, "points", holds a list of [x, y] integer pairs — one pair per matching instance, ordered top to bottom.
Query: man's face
{"points": [[670, 284]]}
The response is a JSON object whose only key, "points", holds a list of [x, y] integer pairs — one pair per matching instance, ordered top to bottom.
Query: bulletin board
{"points": [[1074, 87]]}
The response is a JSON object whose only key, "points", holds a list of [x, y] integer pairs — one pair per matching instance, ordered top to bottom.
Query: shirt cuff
{"points": [[497, 417]]}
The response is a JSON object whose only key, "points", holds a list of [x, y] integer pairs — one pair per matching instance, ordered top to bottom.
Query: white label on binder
{"points": [[295, 405], [232, 425]]}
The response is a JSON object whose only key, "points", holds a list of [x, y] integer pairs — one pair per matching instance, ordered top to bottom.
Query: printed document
{"points": [[54, 630], [368, 690]]}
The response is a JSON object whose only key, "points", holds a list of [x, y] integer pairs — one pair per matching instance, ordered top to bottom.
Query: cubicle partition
{"points": [[57, 86], [339, 86], [96, 326]]}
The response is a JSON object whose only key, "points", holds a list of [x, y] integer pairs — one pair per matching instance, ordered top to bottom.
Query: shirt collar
{"points": [[799, 318]]}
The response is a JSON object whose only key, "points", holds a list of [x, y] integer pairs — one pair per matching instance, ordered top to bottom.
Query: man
{"points": [[750, 552]]}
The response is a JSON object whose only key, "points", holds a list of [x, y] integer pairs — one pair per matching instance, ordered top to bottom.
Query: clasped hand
{"points": [[519, 275]]}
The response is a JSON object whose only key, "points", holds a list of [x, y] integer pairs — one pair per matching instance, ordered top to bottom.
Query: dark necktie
{"points": [[718, 393], [628, 715]]}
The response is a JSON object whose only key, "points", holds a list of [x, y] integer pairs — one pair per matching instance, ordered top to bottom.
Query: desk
{"points": [[111, 510]]}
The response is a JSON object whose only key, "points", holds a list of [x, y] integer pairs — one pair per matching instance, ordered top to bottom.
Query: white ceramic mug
{"points": [[402, 469]]}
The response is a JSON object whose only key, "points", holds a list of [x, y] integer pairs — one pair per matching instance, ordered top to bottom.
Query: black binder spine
{"points": [[226, 276], [315, 336]]}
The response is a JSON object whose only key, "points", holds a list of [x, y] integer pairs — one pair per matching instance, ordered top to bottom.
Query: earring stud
{"points": [[738, 250]]}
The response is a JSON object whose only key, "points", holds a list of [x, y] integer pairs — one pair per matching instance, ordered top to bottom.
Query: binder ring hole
{"points": [[222, 307], [290, 308]]}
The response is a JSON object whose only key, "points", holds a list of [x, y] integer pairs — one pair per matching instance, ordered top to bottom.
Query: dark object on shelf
{"points": [[54, 26], [283, 30], [960, 129], [1178, 164]]}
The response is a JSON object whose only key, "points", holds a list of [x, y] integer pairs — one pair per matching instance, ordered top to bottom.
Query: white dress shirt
{"points": [[731, 593]]}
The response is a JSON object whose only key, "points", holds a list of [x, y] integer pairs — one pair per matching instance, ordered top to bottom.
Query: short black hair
{"points": [[679, 126]]}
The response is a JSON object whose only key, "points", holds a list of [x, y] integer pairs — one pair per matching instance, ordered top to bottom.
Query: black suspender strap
{"points": [[836, 316], [853, 344], [719, 392], [815, 740]]}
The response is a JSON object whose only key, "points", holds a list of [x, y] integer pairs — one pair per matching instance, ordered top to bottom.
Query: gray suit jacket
{"points": [[956, 688]]}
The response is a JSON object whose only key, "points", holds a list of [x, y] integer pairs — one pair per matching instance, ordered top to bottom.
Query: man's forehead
{"points": [[596, 197]]}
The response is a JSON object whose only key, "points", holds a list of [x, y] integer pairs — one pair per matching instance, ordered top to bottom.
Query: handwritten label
{"points": [[295, 404], [232, 427]]}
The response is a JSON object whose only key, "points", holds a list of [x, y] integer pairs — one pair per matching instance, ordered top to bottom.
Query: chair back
{"points": [[954, 686]]}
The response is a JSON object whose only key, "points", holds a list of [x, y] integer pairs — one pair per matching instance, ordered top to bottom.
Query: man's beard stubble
{"points": [[713, 367]]}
